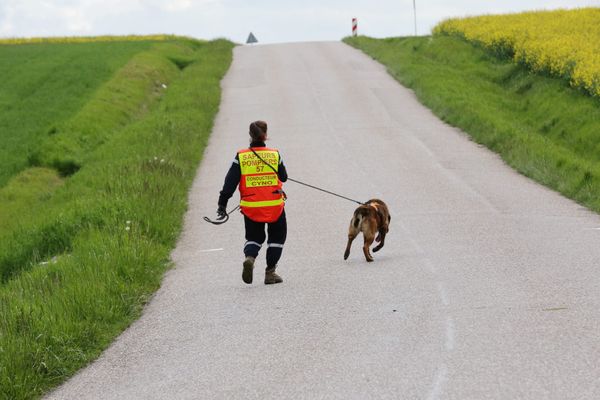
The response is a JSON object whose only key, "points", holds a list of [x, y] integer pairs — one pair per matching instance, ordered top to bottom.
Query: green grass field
{"points": [[44, 85], [538, 124], [95, 200]]}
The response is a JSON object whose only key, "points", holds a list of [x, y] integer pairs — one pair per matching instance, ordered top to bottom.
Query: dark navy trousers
{"points": [[255, 237]]}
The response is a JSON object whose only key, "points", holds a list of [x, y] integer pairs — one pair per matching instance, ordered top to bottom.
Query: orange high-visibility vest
{"points": [[261, 197]]}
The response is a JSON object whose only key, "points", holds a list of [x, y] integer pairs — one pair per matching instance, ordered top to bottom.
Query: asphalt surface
{"points": [[488, 286]]}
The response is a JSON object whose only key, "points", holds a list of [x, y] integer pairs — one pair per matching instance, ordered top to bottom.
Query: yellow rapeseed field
{"points": [[86, 39], [564, 42]]}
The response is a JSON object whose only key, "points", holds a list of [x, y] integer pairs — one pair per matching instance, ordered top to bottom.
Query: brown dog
{"points": [[370, 218]]}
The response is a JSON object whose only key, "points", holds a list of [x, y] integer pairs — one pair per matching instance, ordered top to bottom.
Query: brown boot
{"points": [[248, 268], [271, 277]]}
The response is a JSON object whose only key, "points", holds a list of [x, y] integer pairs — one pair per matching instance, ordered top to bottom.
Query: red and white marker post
{"points": [[354, 26]]}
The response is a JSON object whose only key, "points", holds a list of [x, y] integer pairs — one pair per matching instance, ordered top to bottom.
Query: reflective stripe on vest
{"points": [[260, 188], [265, 203]]}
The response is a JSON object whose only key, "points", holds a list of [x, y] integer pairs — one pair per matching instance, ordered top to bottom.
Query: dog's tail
{"points": [[358, 216], [357, 220]]}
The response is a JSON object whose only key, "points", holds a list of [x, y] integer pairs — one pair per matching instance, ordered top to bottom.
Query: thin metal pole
{"points": [[415, 12]]}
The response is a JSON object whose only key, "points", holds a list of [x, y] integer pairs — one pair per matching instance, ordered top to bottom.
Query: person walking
{"points": [[259, 171]]}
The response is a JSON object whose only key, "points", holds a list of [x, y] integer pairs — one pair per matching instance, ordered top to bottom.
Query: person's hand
{"points": [[221, 213]]}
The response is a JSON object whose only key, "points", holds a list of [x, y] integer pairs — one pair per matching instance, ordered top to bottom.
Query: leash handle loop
{"points": [[221, 221]]}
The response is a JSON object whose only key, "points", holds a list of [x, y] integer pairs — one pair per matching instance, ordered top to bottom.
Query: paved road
{"points": [[487, 288]]}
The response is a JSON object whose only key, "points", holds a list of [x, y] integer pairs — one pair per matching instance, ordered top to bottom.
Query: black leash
{"points": [[306, 184], [326, 191], [225, 218], [222, 219]]}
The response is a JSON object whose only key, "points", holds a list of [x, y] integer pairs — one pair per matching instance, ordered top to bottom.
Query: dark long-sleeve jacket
{"points": [[232, 179]]}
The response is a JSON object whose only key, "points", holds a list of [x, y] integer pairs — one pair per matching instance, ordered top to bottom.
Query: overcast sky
{"points": [[271, 21]]}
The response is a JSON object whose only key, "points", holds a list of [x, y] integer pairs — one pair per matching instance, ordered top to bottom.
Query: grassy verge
{"points": [[46, 84], [539, 125], [28, 201], [82, 271]]}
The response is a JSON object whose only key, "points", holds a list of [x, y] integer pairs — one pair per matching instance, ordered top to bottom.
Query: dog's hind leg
{"points": [[353, 231], [351, 236], [381, 236], [381, 240], [368, 242]]}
